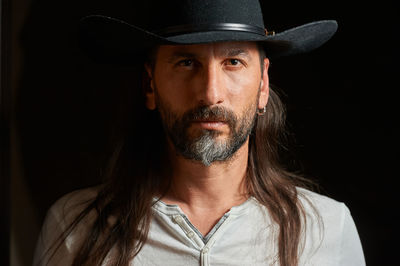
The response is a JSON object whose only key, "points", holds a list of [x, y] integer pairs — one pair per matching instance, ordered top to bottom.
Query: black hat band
{"points": [[181, 29]]}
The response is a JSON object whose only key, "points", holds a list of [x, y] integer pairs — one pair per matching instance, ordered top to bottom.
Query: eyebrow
{"points": [[233, 52], [236, 52], [180, 54]]}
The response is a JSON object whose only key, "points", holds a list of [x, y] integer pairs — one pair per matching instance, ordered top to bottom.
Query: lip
{"points": [[210, 125]]}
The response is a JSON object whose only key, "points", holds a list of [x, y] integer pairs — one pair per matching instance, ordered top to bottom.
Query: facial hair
{"points": [[203, 145]]}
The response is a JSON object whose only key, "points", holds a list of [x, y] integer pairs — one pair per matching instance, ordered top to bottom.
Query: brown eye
{"points": [[186, 62], [234, 62]]}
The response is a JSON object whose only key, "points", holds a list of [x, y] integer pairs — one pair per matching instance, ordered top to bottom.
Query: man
{"points": [[197, 180]]}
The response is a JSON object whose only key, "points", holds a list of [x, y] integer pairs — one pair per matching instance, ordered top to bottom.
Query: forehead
{"points": [[249, 49]]}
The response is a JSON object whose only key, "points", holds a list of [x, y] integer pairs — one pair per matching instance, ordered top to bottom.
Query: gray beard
{"points": [[206, 148]]}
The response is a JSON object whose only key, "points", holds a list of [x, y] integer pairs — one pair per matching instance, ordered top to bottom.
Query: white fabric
{"points": [[244, 236]]}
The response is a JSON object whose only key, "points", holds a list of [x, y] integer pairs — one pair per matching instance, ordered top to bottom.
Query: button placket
{"points": [[178, 219], [190, 234], [205, 250], [204, 256]]}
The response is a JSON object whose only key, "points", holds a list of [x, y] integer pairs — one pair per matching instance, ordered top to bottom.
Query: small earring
{"points": [[262, 111]]}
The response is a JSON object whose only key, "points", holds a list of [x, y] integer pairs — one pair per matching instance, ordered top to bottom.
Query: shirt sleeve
{"points": [[55, 246], [50, 249], [351, 253]]}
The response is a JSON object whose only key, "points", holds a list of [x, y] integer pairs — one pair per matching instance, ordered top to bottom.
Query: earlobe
{"points": [[150, 101]]}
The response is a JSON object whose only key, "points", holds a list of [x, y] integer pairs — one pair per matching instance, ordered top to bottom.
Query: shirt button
{"points": [[178, 219], [190, 234], [205, 250]]}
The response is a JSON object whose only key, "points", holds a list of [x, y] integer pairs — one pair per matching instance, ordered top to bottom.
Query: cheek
{"points": [[235, 86], [242, 86], [170, 88]]}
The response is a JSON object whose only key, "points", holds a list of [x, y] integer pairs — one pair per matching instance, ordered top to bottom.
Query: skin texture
{"points": [[227, 75]]}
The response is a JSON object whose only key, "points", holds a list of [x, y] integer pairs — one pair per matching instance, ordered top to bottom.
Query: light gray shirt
{"points": [[245, 235]]}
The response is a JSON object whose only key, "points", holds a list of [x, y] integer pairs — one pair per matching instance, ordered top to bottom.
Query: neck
{"points": [[219, 185]]}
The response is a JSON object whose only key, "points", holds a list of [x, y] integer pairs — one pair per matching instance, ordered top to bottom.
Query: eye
{"points": [[234, 62], [185, 63]]}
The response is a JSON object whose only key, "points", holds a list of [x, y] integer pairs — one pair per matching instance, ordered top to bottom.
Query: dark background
{"points": [[341, 102]]}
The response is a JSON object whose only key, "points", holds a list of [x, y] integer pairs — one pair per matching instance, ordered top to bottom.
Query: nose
{"points": [[211, 89]]}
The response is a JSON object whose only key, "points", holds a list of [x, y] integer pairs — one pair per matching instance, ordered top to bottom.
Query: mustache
{"points": [[216, 113]]}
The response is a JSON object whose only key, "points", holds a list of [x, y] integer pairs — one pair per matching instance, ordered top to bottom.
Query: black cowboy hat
{"points": [[175, 22]]}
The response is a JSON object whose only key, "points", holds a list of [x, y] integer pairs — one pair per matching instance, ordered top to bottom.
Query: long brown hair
{"points": [[137, 173]]}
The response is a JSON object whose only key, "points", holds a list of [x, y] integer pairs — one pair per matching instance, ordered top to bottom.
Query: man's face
{"points": [[207, 96]]}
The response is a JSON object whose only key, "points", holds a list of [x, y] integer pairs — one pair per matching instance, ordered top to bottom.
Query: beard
{"points": [[203, 145]]}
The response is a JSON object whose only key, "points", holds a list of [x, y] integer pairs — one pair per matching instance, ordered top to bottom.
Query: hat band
{"points": [[182, 29]]}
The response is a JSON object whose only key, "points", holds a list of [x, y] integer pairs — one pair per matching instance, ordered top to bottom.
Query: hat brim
{"points": [[109, 40]]}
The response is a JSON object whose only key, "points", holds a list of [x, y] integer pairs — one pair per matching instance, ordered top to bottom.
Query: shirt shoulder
{"points": [[322, 203], [71, 204], [330, 224], [55, 245]]}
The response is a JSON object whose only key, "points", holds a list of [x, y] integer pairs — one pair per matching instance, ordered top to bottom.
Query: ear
{"points": [[264, 86], [149, 88]]}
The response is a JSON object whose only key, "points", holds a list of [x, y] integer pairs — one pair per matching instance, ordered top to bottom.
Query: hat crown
{"points": [[174, 13]]}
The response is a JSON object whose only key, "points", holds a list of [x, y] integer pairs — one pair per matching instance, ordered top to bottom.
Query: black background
{"points": [[341, 102]]}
